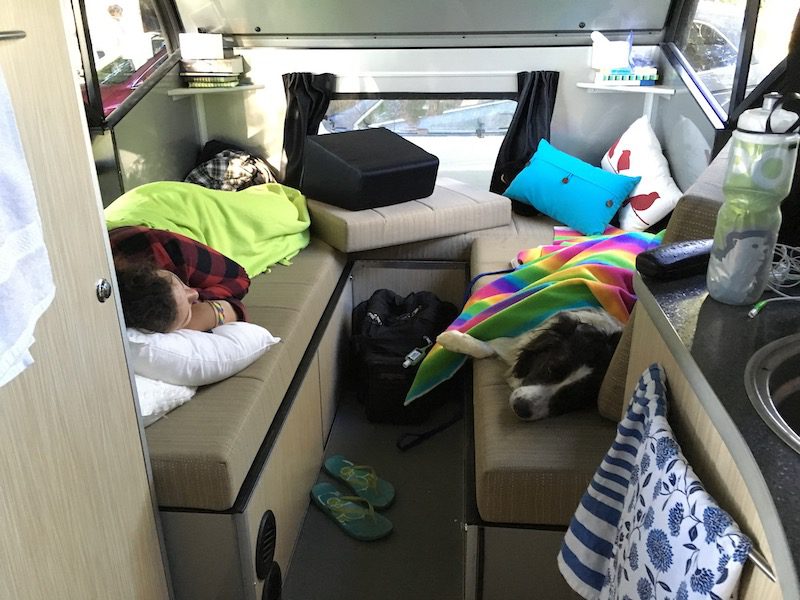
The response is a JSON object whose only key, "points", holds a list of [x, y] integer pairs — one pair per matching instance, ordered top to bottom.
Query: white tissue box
{"points": [[201, 45], [610, 55]]}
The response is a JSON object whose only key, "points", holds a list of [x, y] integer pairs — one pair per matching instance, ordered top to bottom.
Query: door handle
{"points": [[12, 35], [103, 290]]}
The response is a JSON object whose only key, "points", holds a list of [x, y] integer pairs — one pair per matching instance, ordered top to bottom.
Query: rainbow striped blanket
{"points": [[573, 272]]}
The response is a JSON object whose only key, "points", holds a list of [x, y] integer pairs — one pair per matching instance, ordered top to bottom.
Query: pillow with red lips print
{"points": [[638, 153]]}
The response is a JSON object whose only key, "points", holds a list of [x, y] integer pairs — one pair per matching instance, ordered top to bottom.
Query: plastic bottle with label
{"points": [[759, 176]]}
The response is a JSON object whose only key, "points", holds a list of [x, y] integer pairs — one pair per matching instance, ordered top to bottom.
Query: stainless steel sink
{"points": [[772, 380]]}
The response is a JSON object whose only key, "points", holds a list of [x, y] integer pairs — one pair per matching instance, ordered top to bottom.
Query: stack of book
{"points": [[212, 72], [627, 76]]}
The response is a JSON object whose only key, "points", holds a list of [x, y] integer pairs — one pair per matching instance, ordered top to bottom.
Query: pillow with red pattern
{"points": [[637, 153]]}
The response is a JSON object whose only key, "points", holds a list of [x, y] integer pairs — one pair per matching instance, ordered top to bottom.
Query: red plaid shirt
{"points": [[213, 275]]}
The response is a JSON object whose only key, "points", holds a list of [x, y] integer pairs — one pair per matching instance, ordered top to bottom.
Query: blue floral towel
{"points": [[646, 528]]}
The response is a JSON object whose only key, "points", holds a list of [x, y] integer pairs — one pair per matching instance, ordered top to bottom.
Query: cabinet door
{"points": [[703, 447], [76, 513]]}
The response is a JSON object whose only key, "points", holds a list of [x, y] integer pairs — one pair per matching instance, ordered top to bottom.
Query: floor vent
{"points": [[265, 545], [273, 583]]}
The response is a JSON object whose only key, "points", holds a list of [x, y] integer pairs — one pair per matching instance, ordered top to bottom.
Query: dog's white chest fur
{"points": [[555, 367]]}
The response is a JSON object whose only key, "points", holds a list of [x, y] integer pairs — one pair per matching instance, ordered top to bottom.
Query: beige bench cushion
{"points": [[453, 208], [458, 247], [201, 452], [527, 472], [530, 472]]}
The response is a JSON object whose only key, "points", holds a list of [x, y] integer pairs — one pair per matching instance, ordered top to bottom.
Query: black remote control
{"points": [[674, 261]]}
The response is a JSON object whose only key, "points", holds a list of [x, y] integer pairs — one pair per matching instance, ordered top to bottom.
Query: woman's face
{"points": [[184, 297]]}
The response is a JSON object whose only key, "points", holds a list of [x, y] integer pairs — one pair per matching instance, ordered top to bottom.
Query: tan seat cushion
{"points": [[453, 208], [458, 247], [200, 453], [524, 471], [530, 472]]}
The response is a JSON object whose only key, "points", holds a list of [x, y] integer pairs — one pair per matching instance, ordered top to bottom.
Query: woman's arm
{"points": [[205, 316]]}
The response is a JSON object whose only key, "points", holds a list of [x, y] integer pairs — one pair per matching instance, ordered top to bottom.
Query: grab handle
{"points": [[12, 35]]}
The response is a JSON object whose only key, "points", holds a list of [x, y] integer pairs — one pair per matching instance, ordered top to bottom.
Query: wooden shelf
{"points": [[186, 91]]}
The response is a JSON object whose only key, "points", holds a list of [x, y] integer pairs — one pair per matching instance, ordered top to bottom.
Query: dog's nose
{"points": [[522, 409]]}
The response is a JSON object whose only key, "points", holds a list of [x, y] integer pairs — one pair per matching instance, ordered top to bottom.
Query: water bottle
{"points": [[759, 176]]}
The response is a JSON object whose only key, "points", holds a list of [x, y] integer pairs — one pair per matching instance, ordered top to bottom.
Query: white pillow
{"points": [[638, 153], [187, 357], [157, 398]]}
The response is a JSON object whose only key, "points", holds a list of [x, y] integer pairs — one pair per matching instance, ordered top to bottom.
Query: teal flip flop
{"points": [[362, 479], [360, 522]]}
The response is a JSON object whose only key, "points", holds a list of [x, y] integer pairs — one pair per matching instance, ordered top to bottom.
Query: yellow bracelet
{"points": [[218, 311]]}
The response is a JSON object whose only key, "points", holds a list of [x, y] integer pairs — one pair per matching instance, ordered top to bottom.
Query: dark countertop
{"points": [[720, 339]]}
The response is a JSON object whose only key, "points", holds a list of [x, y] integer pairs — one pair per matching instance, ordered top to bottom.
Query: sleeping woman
{"points": [[184, 253], [168, 281]]}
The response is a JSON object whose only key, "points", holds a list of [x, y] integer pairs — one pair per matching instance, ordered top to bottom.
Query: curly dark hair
{"points": [[146, 296]]}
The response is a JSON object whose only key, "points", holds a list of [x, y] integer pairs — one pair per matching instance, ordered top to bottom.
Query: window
{"points": [[773, 32], [712, 35], [126, 43], [465, 134]]}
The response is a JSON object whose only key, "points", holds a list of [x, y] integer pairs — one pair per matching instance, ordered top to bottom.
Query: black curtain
{"points": [[307, 98], [531, 122]]}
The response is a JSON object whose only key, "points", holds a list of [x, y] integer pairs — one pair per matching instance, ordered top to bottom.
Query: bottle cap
{"points": [[771, 117]]}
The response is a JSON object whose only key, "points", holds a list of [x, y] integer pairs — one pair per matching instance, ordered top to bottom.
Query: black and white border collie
{"points": [[555, 368]]}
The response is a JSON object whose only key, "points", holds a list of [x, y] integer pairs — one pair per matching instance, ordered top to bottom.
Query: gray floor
{"points": [[423, 557]]}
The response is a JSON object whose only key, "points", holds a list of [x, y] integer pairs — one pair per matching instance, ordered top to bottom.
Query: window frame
{"points": [[168, 17], [723, 121]]}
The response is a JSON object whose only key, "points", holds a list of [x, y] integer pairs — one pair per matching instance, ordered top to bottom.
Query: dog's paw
{"points": [[452, 340], [463, 343]]}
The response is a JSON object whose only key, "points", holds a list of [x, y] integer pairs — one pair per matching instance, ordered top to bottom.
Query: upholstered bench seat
{"points": [[453, 208], [201, 452], [527, 472]]}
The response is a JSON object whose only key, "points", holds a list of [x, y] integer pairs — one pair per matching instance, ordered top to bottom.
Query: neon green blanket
{"points": [[257, 227]]}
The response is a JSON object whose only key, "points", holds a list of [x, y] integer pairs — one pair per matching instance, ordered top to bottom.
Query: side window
{"points": [[711, 37], [128, 42], [464, 133]]}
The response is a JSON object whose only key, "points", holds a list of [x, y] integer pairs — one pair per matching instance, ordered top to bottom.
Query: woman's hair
{"points": [[146, 296]]}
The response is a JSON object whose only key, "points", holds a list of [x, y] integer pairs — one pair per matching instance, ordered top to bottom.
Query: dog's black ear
{"points": [[563, 324], [614, 338], [546, 342], [609, 343], [524, 362]]}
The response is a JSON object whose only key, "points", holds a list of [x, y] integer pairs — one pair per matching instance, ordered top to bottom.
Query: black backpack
{"points": [[390, 331]]}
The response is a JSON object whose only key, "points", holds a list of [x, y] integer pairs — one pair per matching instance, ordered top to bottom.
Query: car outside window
{"points": [[711, 39], [465, 134]]}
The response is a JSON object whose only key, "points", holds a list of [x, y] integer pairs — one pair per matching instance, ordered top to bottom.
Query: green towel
{"points": [[257, 227]]}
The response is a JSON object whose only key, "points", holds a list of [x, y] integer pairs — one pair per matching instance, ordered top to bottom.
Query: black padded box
{"points": [[366, 168]]}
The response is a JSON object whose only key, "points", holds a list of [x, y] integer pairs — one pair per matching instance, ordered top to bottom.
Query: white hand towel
{"points": [[26, 281]]}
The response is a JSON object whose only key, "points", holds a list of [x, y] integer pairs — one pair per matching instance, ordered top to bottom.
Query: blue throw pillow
{"points": [[569, 190]]}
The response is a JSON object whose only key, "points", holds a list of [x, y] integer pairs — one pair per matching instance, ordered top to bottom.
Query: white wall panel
{"points": [[422, 17], [686, 134], [157, 139]]}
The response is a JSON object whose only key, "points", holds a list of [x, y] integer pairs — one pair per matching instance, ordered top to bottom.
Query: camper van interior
{"points": [[451, 300]]}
